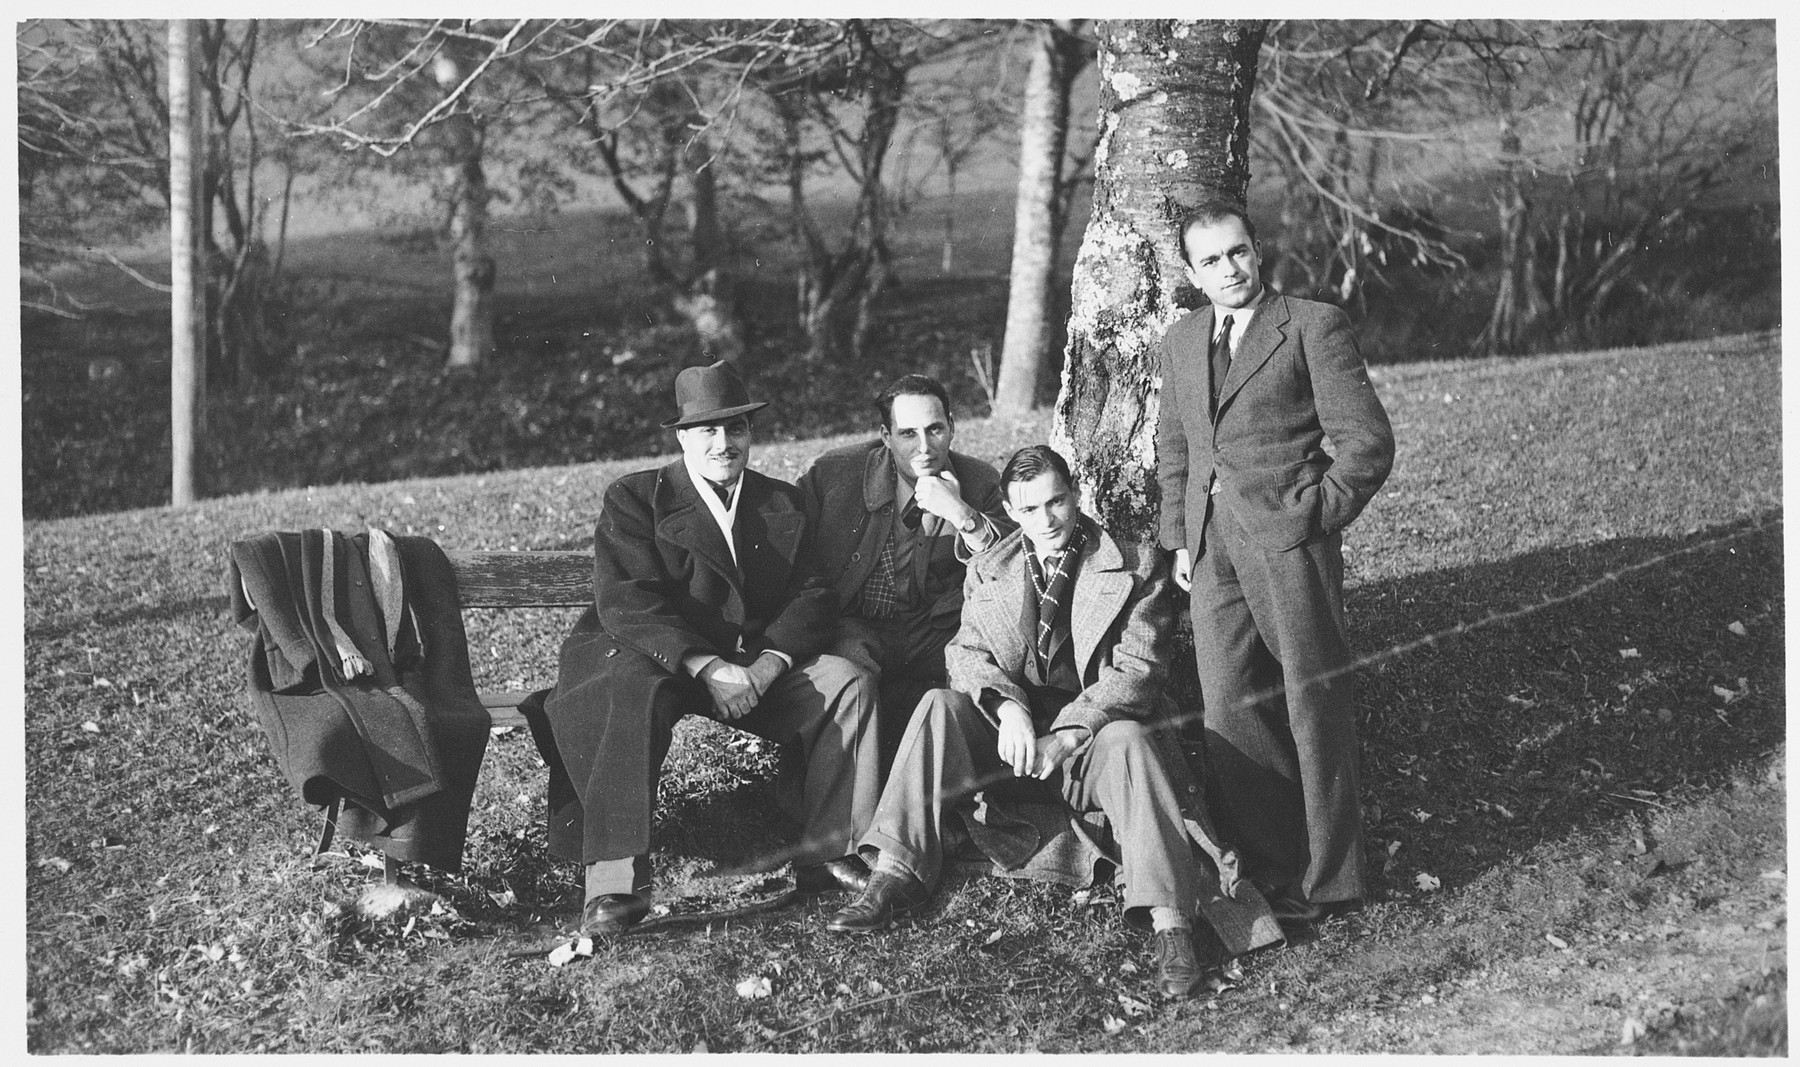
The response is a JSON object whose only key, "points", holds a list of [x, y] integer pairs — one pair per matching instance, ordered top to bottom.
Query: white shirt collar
{"points": [[1240, 317]]}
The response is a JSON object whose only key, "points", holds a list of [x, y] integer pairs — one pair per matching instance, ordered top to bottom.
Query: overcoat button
{"points": [[856, 557]]}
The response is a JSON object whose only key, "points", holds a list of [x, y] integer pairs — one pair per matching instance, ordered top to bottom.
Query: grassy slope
{"points": [[1553, 783]]}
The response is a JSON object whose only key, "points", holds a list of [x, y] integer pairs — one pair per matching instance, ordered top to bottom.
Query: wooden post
{"points": [[187, 271]]}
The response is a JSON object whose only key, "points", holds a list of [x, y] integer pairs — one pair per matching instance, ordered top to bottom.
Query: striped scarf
{"points": [[1052, 589]]}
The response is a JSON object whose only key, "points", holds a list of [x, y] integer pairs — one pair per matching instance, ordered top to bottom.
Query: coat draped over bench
{"points": [[401, 745]]}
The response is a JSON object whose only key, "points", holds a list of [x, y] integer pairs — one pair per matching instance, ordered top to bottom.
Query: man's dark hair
{"points": [[1210, 213], [910, 385], [1032, 462]]}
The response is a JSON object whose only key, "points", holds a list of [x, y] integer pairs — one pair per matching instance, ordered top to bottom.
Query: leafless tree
{"points": [[94, 164]]}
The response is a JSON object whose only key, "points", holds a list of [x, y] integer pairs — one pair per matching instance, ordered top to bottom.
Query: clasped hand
{"points": [[735, 690], [1029, 755]]}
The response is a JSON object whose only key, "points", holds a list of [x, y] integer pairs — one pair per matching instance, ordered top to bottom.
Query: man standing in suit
{"points": [[1254, 508], [896, 520], [708, 601], [1057, 676]]}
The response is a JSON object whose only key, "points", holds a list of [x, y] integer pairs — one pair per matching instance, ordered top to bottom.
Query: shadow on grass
{"points": [[1657, 681], [1485, 742]]}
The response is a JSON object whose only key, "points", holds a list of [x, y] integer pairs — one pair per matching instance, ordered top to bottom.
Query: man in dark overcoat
{"points": [[1254, 507], [897, 520], [707, 601]]}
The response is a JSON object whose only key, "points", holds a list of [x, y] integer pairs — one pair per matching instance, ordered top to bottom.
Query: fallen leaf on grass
{"points": [[1738, 628], [1629, 653], [91, 726], [1393, 847], [62, 865], [1427, 882], [504, 900], [991, 938], [1556, 942], [568, 950], [755, 987], [875, 987], [1132, 1005], [1112, 1024], [1631, 1031]]}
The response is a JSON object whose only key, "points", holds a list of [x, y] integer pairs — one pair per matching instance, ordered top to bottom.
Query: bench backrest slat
{"points": [[523, 579]]}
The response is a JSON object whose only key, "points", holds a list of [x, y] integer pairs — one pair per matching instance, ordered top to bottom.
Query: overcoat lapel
{"points": [[1267, 333], [690, 524], [1101, 590]]}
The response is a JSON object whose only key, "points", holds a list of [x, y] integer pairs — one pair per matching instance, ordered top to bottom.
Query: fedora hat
{"points": [[710, 394]]}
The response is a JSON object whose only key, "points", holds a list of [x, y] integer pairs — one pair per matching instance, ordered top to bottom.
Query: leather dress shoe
{"points": [[849, 873], [886, 896], [612, 913], [1178, 971]]}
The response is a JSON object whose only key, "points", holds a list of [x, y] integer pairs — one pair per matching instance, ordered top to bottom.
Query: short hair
{"points": [[1209, 213], [909, 385], [1032, 462]]}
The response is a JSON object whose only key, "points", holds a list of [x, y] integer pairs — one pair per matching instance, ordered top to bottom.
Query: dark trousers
{"points": [[906, 656], [1280, 717], [951, 751]]}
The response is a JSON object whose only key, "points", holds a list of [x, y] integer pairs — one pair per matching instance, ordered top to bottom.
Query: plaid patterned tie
{"points": [[1051, 589]]}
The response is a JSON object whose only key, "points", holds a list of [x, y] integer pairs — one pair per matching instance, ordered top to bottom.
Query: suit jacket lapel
{"points": [[1267, 332], [689, 523]]}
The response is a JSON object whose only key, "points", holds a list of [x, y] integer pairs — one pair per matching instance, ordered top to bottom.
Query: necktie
{"points": [[1221, 362]]}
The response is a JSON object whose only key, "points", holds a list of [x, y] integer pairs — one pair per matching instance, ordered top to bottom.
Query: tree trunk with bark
{"points": [[1174, 130], [1043, 134], [473, 268], [707, 297]]}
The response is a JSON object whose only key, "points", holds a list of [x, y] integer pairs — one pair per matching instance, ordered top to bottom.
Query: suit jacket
{"points": [[1296, 379], [848, 494], [1119, 621]]}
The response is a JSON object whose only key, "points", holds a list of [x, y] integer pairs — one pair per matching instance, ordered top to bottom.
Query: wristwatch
{"points": [[972, 525]]}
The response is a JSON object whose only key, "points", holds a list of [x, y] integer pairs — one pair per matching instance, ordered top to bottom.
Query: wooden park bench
{"points": [[520, 580]]}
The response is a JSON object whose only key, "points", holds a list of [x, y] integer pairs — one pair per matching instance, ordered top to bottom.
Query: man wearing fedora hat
{"points": [[707, 601]]}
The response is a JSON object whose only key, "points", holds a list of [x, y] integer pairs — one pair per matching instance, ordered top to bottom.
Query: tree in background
{"points": [[436, 84], [843, 107], [1650, 121], [1174, 130], [94, 168], [1041, 209]]}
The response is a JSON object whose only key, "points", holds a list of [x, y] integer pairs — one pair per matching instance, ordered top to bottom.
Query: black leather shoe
{"points": [[849, 874], [874, 909], [612, 913], [1178, 972]]}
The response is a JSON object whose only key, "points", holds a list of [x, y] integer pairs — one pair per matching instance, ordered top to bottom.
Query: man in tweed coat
{"points": [[1254, 508], [1057, 672]]}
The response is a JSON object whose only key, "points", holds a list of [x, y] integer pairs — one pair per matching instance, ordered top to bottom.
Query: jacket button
{"points": [[856, 557]]}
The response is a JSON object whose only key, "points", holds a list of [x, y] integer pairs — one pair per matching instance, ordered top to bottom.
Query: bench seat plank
{"points": [[523, 579]]}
